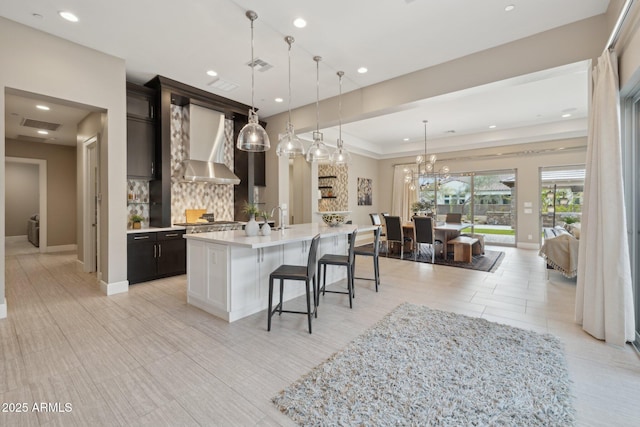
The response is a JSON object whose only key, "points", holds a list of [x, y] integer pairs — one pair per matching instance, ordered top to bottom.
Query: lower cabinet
{"points": [[155, 255]]}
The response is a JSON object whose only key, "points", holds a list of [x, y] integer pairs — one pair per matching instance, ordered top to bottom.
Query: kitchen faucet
{"points": [[281, 218]]}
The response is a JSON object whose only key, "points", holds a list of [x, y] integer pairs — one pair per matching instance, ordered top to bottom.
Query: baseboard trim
{"points": [[22, 238], [523, 245], [62, 248], [114, 288], [3, 309]]}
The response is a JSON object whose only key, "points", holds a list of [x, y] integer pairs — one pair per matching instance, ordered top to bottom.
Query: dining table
{"points": [[450, 230]]}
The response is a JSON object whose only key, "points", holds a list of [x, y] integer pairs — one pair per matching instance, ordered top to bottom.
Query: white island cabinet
{"points": [[228, 272]]}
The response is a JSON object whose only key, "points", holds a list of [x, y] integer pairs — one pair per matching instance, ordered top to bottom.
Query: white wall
{"points": [[36, 62], [22, 196]]}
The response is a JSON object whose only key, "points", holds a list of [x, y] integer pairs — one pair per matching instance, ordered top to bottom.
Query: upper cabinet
{"points": [[141, 132]]}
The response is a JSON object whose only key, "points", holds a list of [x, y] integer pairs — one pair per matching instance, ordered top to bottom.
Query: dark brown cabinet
{"points": [[141, 132], [155, 255]]}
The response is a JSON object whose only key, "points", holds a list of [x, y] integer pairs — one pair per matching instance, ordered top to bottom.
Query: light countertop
{"points": [[295, 233]]}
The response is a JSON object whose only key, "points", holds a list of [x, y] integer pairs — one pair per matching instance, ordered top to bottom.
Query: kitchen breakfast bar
{"points": [[228, 271]]}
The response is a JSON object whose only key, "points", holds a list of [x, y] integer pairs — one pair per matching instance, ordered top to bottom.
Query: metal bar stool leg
{"points": [[269, 313]]}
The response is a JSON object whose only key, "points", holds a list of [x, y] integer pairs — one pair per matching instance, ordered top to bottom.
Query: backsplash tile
{"points": [[215, 198], [137, 200]]}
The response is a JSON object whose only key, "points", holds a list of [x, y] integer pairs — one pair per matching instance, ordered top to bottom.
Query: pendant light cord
{"points": [[289, 41], [317, 59], [253, 66], [340, 74], [425, 141]]}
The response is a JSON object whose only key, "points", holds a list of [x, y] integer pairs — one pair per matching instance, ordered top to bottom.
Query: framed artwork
{"points": [[365, 191]]}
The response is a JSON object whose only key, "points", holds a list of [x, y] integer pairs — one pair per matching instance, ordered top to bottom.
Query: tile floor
{"points": [[148, 358]]}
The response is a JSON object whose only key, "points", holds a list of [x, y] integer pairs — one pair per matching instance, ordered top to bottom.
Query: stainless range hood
{"points": [[205, 162]]}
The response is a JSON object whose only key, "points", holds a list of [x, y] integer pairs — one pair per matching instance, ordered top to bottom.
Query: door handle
{"points": [[171, 235], [140, 237], [159, 250], [155, 251]]}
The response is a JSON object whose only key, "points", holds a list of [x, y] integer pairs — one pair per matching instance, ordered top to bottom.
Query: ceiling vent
{"points": [[260, 65], [223, 85], [37, 124], [30, 138]]}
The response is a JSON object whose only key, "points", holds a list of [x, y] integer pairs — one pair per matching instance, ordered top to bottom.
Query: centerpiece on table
{"points": [[423, 207]]}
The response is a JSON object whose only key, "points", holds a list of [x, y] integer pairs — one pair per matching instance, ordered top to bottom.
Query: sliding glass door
{"points": [[561, 195], [487, 200]]}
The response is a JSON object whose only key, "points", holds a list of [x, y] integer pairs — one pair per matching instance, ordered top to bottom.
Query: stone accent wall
{"points": [[340, 188], [215, 198], [137, 200]]}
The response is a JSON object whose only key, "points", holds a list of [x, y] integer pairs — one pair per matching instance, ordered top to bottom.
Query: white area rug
{"points": [[420, 366]]}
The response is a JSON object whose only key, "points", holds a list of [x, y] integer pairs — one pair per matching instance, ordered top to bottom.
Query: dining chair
{"points": [[454, 218], [375, 220], [395, 233], [424, 233], [374, 254], [338, 260], [306, 273]]}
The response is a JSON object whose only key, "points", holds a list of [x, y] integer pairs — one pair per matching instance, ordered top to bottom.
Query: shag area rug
{"points": [[489, 262], [420, 366]]}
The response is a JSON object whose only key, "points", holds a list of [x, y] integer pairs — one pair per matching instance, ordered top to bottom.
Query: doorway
{"points": [[41, 168], [91, 208]]}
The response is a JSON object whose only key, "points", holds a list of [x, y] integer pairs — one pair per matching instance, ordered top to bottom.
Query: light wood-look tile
{"points": [[148, 358]]}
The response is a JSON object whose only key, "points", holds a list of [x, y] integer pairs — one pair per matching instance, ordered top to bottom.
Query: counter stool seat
{"points": [[339, 260], [297, 273]]}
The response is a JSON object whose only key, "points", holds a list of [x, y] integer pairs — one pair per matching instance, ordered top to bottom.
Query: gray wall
{"points": [[22, 196]]}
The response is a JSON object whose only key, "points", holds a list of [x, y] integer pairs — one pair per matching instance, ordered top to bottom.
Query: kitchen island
{"points": [[228, 272]]}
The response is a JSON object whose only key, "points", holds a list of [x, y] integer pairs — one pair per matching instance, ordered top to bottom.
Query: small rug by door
{"points": [[490, 261], [420, 366]]}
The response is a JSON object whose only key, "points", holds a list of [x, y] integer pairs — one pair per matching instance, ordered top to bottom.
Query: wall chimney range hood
{"points": [[205, 161]]}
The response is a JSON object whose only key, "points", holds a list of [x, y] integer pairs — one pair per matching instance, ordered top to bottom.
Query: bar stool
{"points": [[374, 255], [339, 260], [300, 273]]}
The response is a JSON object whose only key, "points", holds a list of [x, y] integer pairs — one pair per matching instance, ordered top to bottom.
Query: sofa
{"points": [[33, 230], [560, 248]]}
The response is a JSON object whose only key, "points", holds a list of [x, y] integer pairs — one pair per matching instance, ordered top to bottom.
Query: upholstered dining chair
{"points": [[454, 218], [375, 220], [395, 233], [424, 233], [339, 260]]}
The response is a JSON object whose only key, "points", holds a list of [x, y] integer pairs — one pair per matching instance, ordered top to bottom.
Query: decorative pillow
{"points": [[575, 230]]}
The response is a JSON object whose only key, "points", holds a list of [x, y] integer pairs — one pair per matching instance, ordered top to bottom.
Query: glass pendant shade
{"points": [[253, 137], [289, 145], [318, 151], [341, 156]]}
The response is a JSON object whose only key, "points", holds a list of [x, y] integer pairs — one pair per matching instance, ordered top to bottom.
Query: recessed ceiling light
{"points": [[509, 8], [68, 16], [299, 23], [362, 70], [212, 73], [279, 99], [43, 107], [564, 116], [493, 127], [43, 132], [406, 139]]}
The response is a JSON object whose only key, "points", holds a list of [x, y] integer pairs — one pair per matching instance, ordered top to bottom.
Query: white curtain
{"points": [[402, 196], [604, 301]]}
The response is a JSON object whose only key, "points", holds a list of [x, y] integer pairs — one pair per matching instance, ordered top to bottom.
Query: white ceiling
{"points": [[182, 40]]}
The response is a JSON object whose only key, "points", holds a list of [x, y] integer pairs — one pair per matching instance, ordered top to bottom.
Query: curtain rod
{"points": [[617, 29]]}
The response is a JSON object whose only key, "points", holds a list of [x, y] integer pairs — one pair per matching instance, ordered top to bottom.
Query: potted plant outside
{"points": [[136, 221], [252, 227]]}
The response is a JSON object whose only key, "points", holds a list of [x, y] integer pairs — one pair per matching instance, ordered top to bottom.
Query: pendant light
{"points": [[253, 137], [289, 144], [318, 152], [341, 156]]}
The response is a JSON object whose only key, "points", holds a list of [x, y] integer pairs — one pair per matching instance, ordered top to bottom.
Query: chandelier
{"points": [[426, 173]]}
